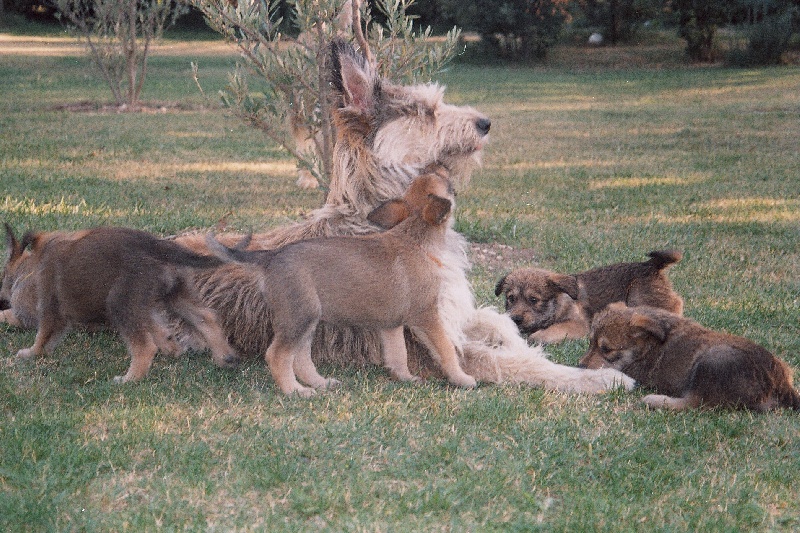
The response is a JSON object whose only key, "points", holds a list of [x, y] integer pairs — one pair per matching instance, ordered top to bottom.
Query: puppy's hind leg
{"points": [[395, 355], [280, 359], [305, 369]]}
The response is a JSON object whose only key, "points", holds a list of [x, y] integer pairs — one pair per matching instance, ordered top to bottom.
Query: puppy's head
{"points": [[429, 196], [536, 298], [622, 336]]}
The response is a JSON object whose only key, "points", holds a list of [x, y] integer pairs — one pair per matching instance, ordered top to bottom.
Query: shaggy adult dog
{"points": [[386, 135], [123, 278], [382, 281], [551, 307], [688, 365]]}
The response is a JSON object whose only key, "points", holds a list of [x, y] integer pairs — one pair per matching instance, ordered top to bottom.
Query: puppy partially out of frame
{"points": [[125, 279], [381, 281], [552, 307], [688, 365]]}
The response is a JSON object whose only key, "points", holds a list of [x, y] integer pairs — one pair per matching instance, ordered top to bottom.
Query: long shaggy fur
{"points": [[387, 135]]}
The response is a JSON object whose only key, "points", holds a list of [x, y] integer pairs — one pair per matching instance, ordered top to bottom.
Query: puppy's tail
{"points": [[237, 253], [176, 254], [660, 259]]}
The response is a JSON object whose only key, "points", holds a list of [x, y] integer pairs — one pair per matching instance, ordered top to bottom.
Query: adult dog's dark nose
{"points": [[483, 125]]}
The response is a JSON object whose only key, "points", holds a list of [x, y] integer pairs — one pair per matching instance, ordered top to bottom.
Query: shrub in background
{"points": [[118, 36]]}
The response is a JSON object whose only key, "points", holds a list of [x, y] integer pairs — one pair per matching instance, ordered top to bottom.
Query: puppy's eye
{"points": [[510, 299], [533, 300], [608, 353]]}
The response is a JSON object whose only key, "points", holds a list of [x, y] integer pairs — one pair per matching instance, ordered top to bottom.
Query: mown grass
{"points": [[587, 166]]}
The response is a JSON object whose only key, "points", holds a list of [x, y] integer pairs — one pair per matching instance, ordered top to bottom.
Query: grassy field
{"points": [[587, 166]]}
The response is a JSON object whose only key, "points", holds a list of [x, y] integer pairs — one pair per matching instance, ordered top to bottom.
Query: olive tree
{"points": [[119, 35]]}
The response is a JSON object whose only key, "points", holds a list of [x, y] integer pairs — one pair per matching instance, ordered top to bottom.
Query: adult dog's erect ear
{"points": [[353, 77]]}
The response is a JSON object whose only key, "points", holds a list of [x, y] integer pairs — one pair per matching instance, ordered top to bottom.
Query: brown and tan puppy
{"points": [[125, 279], [382, 281], [552, 307], [688, 365]]}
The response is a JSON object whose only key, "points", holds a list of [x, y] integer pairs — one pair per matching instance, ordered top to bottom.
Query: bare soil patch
{"points": [[498, 259]]}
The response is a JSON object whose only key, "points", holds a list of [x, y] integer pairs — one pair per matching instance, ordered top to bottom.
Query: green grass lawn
{"points": [[586, 166]]}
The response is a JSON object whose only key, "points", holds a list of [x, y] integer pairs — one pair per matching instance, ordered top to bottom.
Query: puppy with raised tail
{"points": [[121, 278], [381, 281], [550, 307], [689, 366]]}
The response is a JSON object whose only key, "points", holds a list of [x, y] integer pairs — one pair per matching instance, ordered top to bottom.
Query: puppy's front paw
{"points": [[9, 317], [25, 354], [229, 360], [464, 381], [331, 383], [305, 392], [661, 401]]}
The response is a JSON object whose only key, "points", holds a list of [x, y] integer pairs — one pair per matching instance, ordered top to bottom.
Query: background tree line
{"points": [[524, 30]]}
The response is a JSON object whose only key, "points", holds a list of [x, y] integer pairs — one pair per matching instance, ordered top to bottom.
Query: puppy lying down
{"points": [[551, 307], [688, 365]]}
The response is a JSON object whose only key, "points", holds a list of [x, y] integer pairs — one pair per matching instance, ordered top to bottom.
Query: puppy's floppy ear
{"points": [[436, 210], [390, 213], [31, 238], [565, 283], [501, 286], [649, 325]]}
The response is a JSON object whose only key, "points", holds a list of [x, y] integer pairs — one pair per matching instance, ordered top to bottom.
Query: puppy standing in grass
{"points": [[123, 278], [382, 281], [552, 307], [689, 365]]}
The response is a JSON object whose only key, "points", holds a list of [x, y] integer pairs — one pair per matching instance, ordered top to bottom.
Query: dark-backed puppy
{"points": [[126, 279], [382, 281], [552, 307], [688, 365]]}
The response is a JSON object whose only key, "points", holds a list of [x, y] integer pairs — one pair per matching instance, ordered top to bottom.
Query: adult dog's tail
{"points": [[660, 259]]}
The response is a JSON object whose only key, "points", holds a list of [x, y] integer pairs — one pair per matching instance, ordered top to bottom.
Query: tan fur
{"points": [[371, 167], [121, 278], [383, 281], [551, 307], [688, 365]]}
